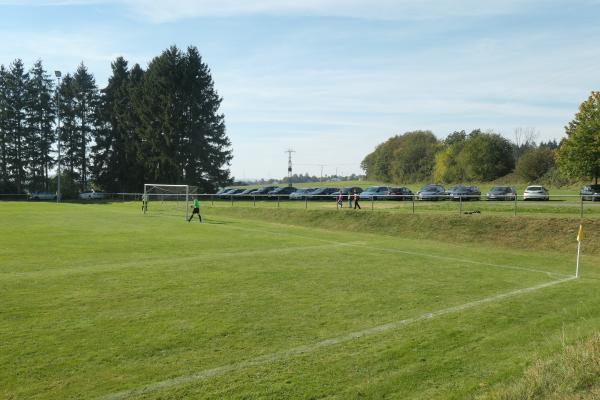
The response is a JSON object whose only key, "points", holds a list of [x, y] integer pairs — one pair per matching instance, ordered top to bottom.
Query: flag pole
{"points": [[579, 239], [578, 251]]}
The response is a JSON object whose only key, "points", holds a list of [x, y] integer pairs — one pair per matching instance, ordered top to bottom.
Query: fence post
{"points": [[231, 200], [254, 200], [277, 201], [413, 201], [306, 202], [372, 203], [516, 204], [461, 206], [581, 207]]}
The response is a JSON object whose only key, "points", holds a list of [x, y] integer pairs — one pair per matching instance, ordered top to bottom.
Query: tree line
{"points": [[160, 124], [479, 156]]}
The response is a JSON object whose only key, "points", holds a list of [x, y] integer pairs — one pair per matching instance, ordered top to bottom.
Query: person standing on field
{"points": [[340, 200], [144, 202], [356, 205], [196, 210]]}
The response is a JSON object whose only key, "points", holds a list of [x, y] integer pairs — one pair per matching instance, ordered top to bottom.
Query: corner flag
{"points": [[580, 233]]}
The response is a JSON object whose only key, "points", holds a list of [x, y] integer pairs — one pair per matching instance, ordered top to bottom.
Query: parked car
{"points": [[223, 190], [348, 190], [263, 191], [282, 192], [432, 192], [536, 192], [590, 192], [301, 193], [324, 193], [375, 193], [400, 193], [464, 193], [501, 193], [228, 194], [245, 194], [92, 195], [42, 196]]}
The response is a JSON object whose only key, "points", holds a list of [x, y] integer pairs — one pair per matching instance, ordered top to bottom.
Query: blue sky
{"points": [[331, 78]]}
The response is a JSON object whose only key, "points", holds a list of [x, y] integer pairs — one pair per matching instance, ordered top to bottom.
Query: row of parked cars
{"points": [[427, 192]]}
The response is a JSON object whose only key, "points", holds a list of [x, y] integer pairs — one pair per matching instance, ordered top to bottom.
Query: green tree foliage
{"points": [[40, 122], [68, 126], [4, 127], [17, 132], [183, 134], [579, 153], [486, 156], [476, 157], [404, 158], [534, 164], [116, 166]]}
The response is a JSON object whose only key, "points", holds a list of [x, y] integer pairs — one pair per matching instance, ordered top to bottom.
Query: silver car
{"points": [[536, 193]]}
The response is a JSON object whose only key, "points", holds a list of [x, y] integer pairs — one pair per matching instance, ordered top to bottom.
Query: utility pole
{"points": [[58, 74], [289, 151]]}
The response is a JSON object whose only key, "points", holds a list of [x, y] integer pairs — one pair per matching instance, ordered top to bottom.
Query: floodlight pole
{"points": [[58, 75]]}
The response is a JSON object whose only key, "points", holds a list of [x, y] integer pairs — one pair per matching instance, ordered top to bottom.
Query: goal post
{"points": [[167, 199]]}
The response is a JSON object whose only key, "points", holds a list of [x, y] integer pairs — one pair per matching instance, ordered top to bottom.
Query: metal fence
{"points": [[566, 205]]}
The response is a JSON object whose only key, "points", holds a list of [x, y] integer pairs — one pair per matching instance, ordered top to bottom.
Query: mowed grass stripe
{"points": [[162, 261]]}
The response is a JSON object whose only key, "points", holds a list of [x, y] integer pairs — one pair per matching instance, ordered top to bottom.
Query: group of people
{"points": [[351, 196]]}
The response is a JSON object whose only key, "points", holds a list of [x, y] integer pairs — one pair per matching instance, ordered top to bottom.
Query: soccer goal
{"points": [[167, 199]]}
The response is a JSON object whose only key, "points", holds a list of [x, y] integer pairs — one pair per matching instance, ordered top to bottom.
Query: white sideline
{"points": [[413, 253], [268, 358]]}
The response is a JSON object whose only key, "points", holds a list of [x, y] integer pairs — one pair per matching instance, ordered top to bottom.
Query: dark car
{"points": [[223, 190], [263, 191], [345, 191], [282, 192], [432, 192], [590, 192], [301, 193], [324, 193], [375, 193], [464, 193], [501, 193], [228, 194], [245, 194], [400, 194]]}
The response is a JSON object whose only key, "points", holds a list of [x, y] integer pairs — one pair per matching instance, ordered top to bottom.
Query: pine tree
{"points": [[16, 82], [86, 101], [40, 124], [68, 127], [4, 134], [183, 134], [205, 145], [116, 166]]}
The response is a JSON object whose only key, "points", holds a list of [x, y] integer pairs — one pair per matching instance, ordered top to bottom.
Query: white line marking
{"points": [[310, 348]]}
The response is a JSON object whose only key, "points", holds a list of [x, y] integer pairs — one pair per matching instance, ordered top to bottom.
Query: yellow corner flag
{"points": [[580, 233]]}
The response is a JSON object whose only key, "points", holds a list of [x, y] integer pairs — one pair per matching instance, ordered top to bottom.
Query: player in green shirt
{"points": [[196, 210]]}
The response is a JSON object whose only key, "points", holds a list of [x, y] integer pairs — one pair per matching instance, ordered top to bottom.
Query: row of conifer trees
{"points": [[160, 124]]}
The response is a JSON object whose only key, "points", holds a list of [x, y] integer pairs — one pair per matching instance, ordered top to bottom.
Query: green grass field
{"points": [[101, 302]]}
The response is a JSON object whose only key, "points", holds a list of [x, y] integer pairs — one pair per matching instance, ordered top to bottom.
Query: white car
{"points": [[536, 193], [91, 195], [42, 196]]}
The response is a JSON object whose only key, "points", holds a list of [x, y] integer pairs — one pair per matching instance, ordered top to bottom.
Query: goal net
{"points": [[167, 199]]}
